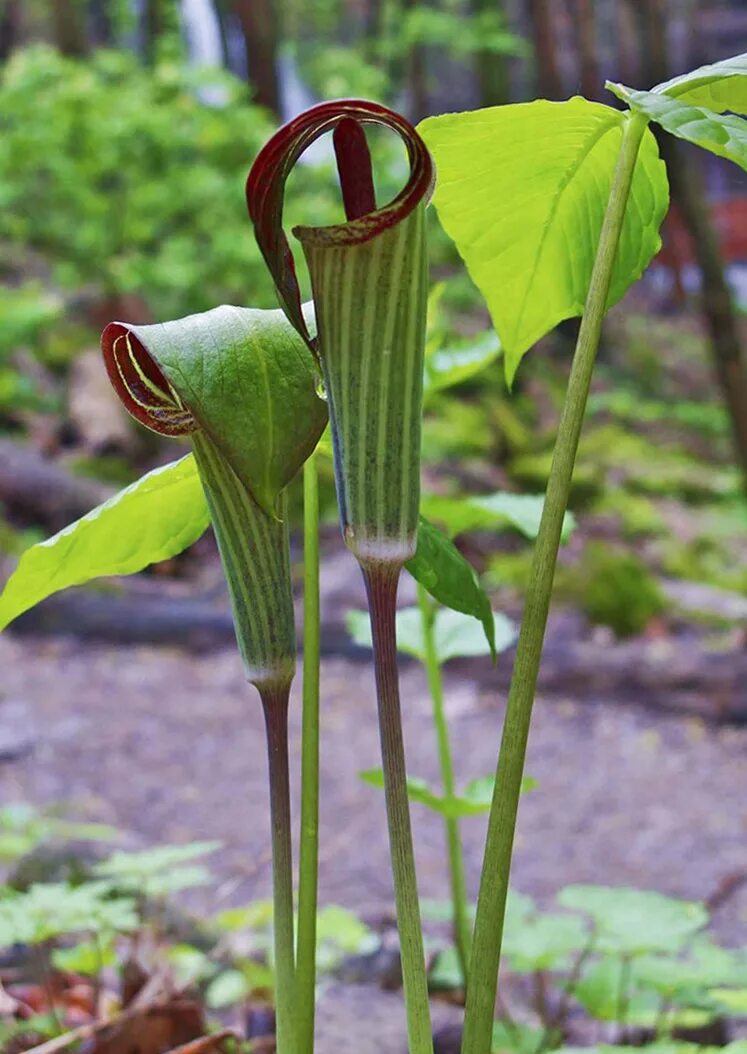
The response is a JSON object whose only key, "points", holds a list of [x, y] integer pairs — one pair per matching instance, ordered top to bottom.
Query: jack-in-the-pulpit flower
{"points": [[369, 281], [369, 284], [242, 385]]}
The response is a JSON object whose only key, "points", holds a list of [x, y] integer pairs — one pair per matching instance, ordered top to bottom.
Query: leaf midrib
{"points": [[613, 121]]}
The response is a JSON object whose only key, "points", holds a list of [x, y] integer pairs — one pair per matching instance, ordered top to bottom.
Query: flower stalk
{"points": [[381, 586], [275, 707], [308, 866], [491, 904], [461, 929]]}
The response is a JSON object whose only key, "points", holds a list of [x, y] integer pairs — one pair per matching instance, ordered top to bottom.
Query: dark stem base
{"points": [[381, 585], [275, 705]]}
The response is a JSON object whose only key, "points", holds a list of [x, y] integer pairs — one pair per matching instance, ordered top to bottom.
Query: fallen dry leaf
{"points": [[150, 1030], [207, 1044]]}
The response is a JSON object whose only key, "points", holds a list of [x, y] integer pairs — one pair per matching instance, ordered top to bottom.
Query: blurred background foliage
{"points": [[127, 130]]}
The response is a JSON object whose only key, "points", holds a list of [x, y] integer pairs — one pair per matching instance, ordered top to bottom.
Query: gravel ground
{"points": [[170, 747]]}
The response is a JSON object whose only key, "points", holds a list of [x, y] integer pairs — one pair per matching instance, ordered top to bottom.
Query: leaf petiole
{"points": [[491, 904]]}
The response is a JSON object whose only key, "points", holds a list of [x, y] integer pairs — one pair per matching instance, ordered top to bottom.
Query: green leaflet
{"points": [[720, 86], [721, 134], [522, 191], [370, 302], [455, 364], [248, 380], [486, 511], [153, 519], [254, 552], [450, 579], [457, 636], [474, 799]]}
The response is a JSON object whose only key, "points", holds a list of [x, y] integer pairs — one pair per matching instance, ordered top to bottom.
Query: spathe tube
{"points": [[369, 282], [242, 385]]}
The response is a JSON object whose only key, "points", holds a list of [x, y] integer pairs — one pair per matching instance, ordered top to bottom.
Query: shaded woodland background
{"points": [[127, 128]]}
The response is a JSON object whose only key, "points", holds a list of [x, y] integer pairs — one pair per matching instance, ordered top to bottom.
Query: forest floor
{"points": [[142, 718], [168, 745]]}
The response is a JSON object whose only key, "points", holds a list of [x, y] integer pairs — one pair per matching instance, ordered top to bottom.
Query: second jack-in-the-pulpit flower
{"points": [[369, 282], [241, 384]]}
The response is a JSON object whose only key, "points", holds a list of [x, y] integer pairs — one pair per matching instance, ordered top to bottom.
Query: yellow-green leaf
{"points": [[719, 87], [721, 134], [522, 191], [153, 519]]}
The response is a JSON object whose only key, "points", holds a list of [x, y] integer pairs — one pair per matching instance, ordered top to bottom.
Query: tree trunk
{"points": [[222, 13], [10, 19], [373, 22], [103, 25], [153, 26], [69, 27], [260, 27], [586, 46], [628, 58], [491, 69], [417, 75], [549, 81], [689, 194], [37, 490]]}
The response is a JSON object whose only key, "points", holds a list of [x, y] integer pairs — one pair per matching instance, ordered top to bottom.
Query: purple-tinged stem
{"points": [[381, 581], [275, 698]]}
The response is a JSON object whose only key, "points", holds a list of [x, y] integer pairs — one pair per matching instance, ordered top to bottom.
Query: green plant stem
{"points": [[381, 581], [275, 699], [308, 867], [459, 902], [491, 904], [47, 983]]}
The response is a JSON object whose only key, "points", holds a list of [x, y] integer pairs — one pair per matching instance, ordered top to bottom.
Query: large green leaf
{"points": [[720, 86], [721, 134], [522, 191], [454, 364], [481, 512], [153, 519], [449, 578], [456, 635], [634, 921]]}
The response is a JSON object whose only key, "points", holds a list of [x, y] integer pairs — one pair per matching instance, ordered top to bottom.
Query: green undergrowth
{"points": [[613, 587], [636, 966]]}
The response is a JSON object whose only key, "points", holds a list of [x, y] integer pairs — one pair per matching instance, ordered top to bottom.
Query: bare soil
{"points": [[169, 746]]}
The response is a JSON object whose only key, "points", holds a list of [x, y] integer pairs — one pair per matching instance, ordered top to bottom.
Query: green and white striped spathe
{"points": [[370, 300], [254, 553]]}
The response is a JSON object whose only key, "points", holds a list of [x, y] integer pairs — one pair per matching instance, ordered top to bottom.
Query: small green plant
{"points": [[602, 161], [27, 317], [616, 589], [24, 828], [90, 929]]}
